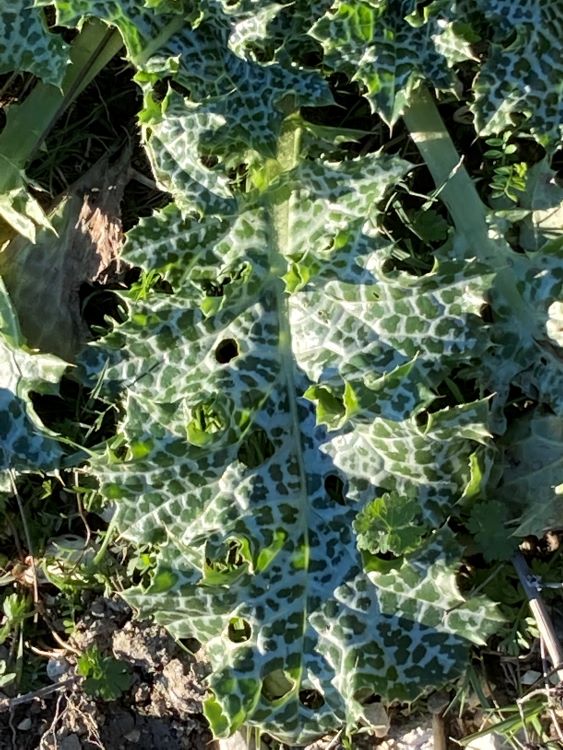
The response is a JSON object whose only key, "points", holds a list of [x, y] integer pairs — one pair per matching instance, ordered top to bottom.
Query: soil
{"points": [[162, 709]]}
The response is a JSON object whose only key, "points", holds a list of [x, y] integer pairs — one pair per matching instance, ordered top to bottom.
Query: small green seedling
{"points": [[106, 677]]}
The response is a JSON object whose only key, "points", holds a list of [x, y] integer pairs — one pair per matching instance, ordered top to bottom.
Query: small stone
{"points": [[57, 667], [530, 677], [438, 702], [377, 719], [25, 725], [133, 736], [237, 741], [70, 742], [489, 742]]}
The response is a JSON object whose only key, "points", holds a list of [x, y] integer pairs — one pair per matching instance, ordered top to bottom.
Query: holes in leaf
{"points": [[160, 89], [183, 90], [215, 289], [486, 313], [226, 350], [422, 419], [255, 449], [119, 451], [335, 489], [387, 557], [239, 630], [191, 644], [276, 685], [365, 695], [311, 699]]}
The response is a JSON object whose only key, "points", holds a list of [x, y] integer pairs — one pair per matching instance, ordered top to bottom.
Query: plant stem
{"points": [[29, 123], [436, 147], [459, 194], [30, 550], [100, 554], [7, 704]]}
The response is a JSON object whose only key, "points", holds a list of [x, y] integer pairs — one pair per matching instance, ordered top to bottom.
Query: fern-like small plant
{"points": [[104, 676]]}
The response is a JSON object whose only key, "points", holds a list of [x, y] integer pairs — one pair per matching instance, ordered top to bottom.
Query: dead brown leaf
{"points": [[44, 279]]}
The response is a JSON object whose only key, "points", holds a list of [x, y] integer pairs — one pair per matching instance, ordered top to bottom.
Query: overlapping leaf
{"points": [[27, 45], [391, 46], [389, 50], [203, 51], [524, 71], [544, 199], [18, 208], [526, 342], [282, 384], [25, 445], [533, 472]]}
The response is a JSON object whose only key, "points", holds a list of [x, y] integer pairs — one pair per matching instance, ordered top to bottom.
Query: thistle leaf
{"points": [[27, 44], [390, 50], [523, 71], [25, 444], [533, 472], [250, 499]]}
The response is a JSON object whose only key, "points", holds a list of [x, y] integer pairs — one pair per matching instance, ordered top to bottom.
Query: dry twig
{"points": [[7, 704]]}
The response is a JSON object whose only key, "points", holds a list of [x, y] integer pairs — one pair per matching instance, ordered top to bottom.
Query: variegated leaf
{"points": [[26, 44], [523, 71], [25, 444], [250, 499]]}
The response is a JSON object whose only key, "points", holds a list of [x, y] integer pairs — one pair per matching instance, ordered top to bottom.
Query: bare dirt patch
{"points": [[161, 709]]}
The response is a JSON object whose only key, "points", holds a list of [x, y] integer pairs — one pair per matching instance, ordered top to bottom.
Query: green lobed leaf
{"points": [[26, 44], [389, 49], [523, 72], [525, 350], [25, 444], [533, 472], [250, 499], [390, 523], [488, 524], [106, 677]]}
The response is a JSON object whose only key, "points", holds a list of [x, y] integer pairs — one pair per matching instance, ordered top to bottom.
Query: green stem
{"points": [[29, 123], [436, 147], [460, 196], [109, 535]]}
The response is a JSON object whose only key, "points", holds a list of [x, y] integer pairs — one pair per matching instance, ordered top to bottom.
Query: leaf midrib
{"points": [[288, 157]]}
